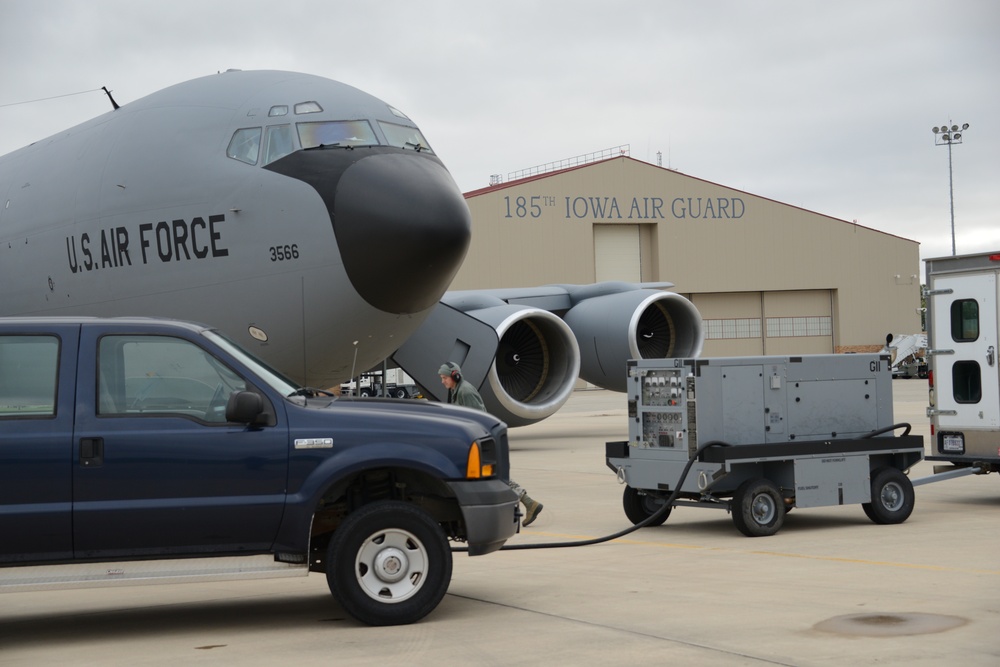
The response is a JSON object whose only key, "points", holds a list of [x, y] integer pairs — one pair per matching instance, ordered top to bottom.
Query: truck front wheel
{"points": [[892, 497], [758, 508], [388, 563]]}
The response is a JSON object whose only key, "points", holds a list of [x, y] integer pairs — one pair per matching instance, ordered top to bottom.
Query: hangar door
{"points": [[617, 253], [798, 322], [731, 323], [773, 323]]}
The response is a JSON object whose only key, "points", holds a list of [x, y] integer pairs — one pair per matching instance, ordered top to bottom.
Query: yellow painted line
{"points": [[779, 554], [863, 561]]}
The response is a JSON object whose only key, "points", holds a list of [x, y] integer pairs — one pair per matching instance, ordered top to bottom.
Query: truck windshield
{"points": [[273, 378]]}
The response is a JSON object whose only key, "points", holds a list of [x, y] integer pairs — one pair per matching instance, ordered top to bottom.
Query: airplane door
{"points": [[967, 382], [37, 384], [156, 469]]}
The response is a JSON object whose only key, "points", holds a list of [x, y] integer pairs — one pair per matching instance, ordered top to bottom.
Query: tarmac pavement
{"points": [[830, 588]]}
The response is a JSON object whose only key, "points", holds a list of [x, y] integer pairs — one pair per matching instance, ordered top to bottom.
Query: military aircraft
{"points": [[273, 205]]}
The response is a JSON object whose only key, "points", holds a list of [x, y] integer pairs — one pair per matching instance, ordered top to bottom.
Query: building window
{"points": [[794, 327], [731, 328]]}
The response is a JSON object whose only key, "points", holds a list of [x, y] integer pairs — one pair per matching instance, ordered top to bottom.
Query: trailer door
{"points": [[966, 382]]}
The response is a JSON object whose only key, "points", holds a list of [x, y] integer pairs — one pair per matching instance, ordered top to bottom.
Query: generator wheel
{"points": [[892, 497], [640, 506], [758, 508]]}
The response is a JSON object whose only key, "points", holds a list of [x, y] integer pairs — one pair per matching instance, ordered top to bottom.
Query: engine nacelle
{"points": [[638, 324], [524, 360], [536, 366]]}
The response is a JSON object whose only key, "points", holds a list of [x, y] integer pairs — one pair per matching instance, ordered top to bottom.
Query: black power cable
{"points": [[668, 503]]}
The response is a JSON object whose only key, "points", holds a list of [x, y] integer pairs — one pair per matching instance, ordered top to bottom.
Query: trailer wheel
{"points": [[892, 497], [641, 506], [758, 508], [388, 563]]}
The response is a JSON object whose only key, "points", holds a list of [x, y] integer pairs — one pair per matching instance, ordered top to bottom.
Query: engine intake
{"points": [[638, 324], [536, 366]]}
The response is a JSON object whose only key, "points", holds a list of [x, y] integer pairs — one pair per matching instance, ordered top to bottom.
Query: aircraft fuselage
{"points": [[295, 213]]}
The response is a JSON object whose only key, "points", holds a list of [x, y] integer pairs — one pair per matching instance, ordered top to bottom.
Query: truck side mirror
{"points": [[244, 407]]}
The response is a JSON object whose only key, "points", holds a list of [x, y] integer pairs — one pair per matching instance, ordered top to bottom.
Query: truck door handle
{"points": [[990, 355], [91, 452]]}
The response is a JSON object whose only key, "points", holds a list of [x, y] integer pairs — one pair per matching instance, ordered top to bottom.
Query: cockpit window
{"points": [[308, 107], [278, 110], [397, 112], [336, 133], [402, 136], [280, 142], [245, 145]]}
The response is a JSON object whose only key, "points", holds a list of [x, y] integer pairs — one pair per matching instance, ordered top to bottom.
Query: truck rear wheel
{"points": [[892, 497], [640, 506], [758, 508], [388, 563]]}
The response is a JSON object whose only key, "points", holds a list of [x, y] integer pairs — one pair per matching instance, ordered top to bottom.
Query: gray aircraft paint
{"points": [[87, 224], [324, 261]]}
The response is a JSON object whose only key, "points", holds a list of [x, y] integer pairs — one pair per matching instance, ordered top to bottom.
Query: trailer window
{"points": [[965, 320], [966, 381]]}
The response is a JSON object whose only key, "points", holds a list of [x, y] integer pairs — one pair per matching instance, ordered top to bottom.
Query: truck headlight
{"points": [[477, 465]]}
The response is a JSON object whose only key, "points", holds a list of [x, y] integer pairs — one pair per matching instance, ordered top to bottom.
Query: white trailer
{"points": [[964, 385]]}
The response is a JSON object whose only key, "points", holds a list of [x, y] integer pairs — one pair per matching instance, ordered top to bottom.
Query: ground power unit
{"points": [[760, 435]]}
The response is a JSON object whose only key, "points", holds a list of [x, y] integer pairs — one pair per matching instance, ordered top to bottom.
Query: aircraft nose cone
{"points": [[403, 229]]}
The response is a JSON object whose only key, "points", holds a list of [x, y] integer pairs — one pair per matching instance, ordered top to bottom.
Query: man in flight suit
{"points": [[461, 392]]}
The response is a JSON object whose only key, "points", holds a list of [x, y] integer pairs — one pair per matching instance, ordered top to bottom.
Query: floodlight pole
{"points": [[946, 135]]}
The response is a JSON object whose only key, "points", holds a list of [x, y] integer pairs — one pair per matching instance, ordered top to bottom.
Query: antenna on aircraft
{"points": [[108, 93]]}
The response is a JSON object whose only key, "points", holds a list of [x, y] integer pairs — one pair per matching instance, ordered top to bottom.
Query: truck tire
{"points": [[892, 497], [641, 506], [758, 508], [388, 563]]}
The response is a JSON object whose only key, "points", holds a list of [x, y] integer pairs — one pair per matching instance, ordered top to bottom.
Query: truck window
{"points": [[965, 320], [28, 369], [162, 375], [967, 382]]}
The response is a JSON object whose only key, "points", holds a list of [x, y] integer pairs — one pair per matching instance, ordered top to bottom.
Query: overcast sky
{"points": [[825, 105]]}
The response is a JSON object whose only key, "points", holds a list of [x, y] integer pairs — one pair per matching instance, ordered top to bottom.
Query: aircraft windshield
{"points": [[337, 133], [402, 136]]}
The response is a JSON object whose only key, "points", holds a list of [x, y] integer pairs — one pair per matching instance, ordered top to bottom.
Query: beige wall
{"points": [[540, 230]]}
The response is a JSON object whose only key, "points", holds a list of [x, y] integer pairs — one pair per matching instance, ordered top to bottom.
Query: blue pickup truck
{"points": [[140, 450]]}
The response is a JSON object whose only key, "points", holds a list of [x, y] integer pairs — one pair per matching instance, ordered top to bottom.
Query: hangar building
{"points": [[767, 277]]}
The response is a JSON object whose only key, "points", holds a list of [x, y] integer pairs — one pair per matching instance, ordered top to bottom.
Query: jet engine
{"points": [[636, 324], [524, 360], [537, 363]]}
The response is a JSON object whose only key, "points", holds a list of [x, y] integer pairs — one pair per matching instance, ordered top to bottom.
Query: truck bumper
{"points": [[489, 508]]}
